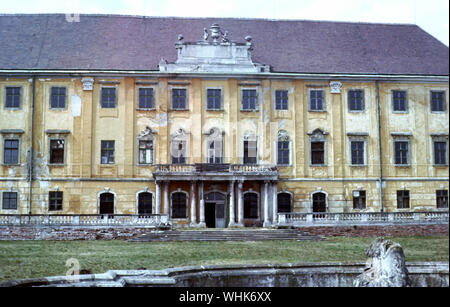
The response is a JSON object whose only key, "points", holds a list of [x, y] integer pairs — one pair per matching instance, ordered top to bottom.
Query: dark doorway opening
{"points": [[210, 215]]}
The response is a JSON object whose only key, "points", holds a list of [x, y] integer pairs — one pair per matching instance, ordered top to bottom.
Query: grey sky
{"points": [[430, 15]]}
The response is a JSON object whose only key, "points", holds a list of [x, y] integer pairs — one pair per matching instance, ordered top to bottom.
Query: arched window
{"points": [[179, 144], [214, 145], [284, 202], [319, 202], [145, 203], [106, 205], [179, 205], [250, 205]]}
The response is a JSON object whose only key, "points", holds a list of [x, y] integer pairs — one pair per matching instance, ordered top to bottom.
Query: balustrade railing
{"points": [[210, 167], [354, 218], [152, 220]]}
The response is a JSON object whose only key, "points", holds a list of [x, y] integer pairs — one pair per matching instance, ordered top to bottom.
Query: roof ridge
{"points": [[210, 17]]}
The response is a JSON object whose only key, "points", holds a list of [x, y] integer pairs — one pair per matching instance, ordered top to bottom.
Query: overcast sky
{"points": [[430, 15]]}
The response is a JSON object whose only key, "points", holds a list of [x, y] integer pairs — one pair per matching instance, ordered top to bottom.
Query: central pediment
{"points": [[215, 53]]}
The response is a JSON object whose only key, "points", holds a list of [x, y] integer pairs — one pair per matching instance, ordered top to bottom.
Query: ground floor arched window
{"points": [[284, 202], [319, 202], [106, 203], [145, 203], [179, 205], [250, 205]]}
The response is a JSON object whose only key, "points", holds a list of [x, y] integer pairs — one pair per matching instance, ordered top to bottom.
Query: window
{"points": [[13, 97], [58, 97], [108, 97], [146, 98], [179, 99], [214, 99], [249, 100], [281, 100], [316, 100], [356, 100], [438, 101], [399, 102], [179, 142], [214, 146], [11, 151], [57, 151], [215, 151], [283, 151], [107, 152], [145, 152], [178, 152], [250, 152], [357, 152], [401, 152], [440, 152], [317, 153], [442, 198], [359, 199], [402, 199], [9, 200], [145, 200], [55, 201], [284, 202], [319, 202], [106, 203], [179, 205], [250, 205]]}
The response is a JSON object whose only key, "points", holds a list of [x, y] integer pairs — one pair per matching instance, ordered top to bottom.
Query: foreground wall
{"points": [[422, 274]]}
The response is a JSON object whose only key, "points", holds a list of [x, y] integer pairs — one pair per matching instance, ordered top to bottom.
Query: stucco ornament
{"points": [[335, 87], [386, 266]]}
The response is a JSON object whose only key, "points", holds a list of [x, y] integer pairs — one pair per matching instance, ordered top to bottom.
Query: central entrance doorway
{"points": [[215, 210]]}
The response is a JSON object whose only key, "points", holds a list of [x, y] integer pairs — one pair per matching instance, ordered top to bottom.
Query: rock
{"points": [[385, 267]]}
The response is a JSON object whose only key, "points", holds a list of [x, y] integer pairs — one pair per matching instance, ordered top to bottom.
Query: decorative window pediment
{"points": [[318, 134]]}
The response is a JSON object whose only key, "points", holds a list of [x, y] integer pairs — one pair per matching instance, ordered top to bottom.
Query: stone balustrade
{"points": [[220, 168], [361, 218], [152, 220]]}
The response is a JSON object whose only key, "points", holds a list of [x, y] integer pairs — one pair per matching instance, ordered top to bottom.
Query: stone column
{"points": [[158, 197], [166, 198], [274, 203], [266, 204], [193, 205], [202, 205], [240, 205], [232, 217]]}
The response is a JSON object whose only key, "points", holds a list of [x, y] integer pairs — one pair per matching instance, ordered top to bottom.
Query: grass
{"points": [[29, 259]]}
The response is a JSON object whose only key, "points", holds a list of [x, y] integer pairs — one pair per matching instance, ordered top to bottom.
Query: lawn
{"points": [[28, 259]]}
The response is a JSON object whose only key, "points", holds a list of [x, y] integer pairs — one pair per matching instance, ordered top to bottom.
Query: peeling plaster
{"points": [[76, 105]]}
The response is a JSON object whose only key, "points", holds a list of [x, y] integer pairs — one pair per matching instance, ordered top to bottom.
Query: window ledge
{"points": [[145, 109], [318, 111], [358, 165], [402, 165]]}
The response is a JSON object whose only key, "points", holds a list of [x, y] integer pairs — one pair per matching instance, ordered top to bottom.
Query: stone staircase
{"points": [[225, 235]]}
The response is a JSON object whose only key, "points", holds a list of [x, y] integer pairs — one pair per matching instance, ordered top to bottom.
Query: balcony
{"points": [[216, 172]]}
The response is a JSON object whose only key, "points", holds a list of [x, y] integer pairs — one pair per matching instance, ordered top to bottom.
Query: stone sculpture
{"points": [[386, 266]]}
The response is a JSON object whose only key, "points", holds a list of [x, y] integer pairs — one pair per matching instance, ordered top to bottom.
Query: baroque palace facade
{"points": [[220, 122]]}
